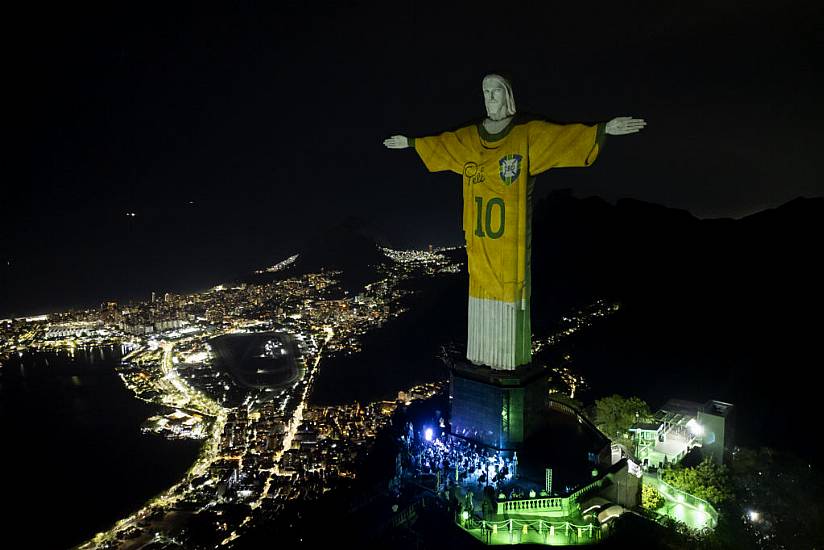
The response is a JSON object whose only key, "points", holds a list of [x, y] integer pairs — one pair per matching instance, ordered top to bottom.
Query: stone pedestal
{"points": [[497, 408]]}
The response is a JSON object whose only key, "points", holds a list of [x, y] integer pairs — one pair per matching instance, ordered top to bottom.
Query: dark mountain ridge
{"points": [[343, 247], [642, 250], [720, 308]]}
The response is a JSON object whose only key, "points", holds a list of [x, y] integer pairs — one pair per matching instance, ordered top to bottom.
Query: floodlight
{"points": [[695, 427]]}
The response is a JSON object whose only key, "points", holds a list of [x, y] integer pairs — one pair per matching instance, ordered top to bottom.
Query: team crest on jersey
{"points": [[510, 168]]}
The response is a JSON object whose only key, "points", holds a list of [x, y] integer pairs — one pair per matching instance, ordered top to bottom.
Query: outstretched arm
{"points": [[623, 125], [563, 145], [558, 146], [446, 151]]}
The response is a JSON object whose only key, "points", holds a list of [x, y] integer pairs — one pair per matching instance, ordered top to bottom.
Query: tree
{"points": [[614, 415], [708, 481], [786, 491], [651, 499]]}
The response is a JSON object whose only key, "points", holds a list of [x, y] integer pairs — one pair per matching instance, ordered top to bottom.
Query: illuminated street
{"points": [[247, 432]]}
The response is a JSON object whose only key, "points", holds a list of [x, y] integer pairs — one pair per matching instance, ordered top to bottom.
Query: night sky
{"points": [[232, 132]]}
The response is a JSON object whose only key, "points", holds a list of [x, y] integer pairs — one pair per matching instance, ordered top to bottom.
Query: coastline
{"points": [[80, 428], [167, 497]]}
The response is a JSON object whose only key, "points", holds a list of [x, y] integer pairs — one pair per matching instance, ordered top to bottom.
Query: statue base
{"points": [[496, 408]]}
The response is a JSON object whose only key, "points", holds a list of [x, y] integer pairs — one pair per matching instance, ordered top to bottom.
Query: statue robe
{"points": [[498, 177]]}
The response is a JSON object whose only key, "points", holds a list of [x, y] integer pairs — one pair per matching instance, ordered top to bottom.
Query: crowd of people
{"points": [[458, 461]]}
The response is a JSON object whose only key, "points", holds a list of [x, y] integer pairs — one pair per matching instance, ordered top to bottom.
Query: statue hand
{"points": [[625, 125], [396, 142]]}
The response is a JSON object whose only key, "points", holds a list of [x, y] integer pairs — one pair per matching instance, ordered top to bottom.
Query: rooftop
{"points": [[719, 408]]}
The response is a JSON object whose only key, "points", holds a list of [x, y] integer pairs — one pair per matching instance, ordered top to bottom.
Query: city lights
{"points": [[263, 445]]}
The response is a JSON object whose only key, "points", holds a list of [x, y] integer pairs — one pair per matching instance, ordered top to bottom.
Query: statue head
{"points": [[500, 103]]}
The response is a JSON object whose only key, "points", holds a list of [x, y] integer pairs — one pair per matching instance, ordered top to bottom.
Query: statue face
{"points": [[494, 98]]}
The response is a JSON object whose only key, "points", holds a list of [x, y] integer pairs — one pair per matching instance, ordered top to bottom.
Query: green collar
{"points": [[486, 136]]}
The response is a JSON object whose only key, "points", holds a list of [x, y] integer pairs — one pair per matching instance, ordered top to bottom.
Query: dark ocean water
{"points": [[401, 353], [73, 455]]}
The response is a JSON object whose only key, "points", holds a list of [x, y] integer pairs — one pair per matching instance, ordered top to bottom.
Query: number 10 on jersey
{"points": [[486, 213]]}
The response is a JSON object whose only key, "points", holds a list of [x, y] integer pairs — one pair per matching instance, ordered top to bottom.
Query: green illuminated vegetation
{"points": [[615, 414], [707, 481], [651, 499]]}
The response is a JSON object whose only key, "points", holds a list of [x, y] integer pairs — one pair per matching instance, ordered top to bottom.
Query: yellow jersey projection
{"points": [[498, 173]]}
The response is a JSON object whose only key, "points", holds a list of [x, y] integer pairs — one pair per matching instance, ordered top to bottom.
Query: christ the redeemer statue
{"points": [[499, 159]]}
